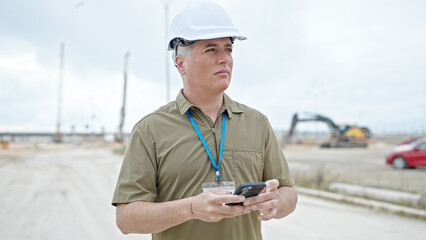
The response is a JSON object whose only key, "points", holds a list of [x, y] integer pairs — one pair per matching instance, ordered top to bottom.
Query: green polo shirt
{"points": [[165, 161]]}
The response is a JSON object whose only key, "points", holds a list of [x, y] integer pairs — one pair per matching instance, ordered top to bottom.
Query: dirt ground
{"points": [[64, 191], [58, 192]]}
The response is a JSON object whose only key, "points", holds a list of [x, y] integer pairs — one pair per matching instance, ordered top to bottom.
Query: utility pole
{"points": [[166, 33], [119, 136], [57, 138]]}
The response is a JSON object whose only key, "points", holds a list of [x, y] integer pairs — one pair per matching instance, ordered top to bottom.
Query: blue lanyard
{"points": [[222, 138]]}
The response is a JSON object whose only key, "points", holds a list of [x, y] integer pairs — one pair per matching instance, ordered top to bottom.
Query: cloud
{"points": [[353, 61], [26, 87]]}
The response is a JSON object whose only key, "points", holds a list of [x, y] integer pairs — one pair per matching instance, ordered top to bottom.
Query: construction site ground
{"points": [[64, 192]]}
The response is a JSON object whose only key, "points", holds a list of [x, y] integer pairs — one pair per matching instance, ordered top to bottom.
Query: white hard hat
{"points": [[201, 20]]}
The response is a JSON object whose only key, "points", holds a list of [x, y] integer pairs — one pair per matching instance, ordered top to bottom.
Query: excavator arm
{"points": [[316, 117], [339, 137]]}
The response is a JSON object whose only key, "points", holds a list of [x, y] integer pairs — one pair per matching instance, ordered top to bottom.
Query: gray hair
{"points": [[180, 46]]}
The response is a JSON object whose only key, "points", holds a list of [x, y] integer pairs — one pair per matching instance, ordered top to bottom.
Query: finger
{"points": [[272, 185], [263, 190], [219, 192], [218, 196], [230, 198], [261, 198], [233, 199], [254, 200], [264, 207], [236, 209], [222, 210], [229, 211], [266, 211], [234, 214], [265, 217]]}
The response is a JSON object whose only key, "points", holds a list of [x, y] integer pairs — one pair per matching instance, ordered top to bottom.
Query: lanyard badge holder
{"points": [[228, 186]]}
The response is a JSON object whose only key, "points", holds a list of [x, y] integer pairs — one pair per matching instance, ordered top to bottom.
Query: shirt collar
{"points": [[228, 104]]}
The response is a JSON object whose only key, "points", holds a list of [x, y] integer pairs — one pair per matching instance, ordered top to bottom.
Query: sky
{"points": [[359, 62]]}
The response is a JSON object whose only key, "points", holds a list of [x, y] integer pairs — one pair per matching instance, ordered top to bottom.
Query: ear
{"points": [[179, 61]]}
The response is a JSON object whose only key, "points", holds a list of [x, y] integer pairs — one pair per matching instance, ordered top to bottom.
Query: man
{"points": [[165, 167]]}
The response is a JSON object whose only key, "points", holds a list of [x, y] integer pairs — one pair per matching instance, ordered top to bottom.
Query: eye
{"points": [[210, 50], [229, 50]]}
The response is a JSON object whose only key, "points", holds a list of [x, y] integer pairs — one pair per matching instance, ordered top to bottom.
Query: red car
{"points": [[409, 140], [408, 155]]}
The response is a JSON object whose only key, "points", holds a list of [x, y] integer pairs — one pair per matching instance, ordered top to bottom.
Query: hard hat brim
{"points": [[171, 47]]}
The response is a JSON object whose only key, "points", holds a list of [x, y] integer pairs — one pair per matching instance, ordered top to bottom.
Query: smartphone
{"points": [[249, 190]]}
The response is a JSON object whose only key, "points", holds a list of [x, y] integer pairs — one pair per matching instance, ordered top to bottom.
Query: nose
{"points": [[225, 57]]}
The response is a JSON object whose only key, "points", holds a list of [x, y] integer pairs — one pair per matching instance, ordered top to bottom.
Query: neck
{"points": [[210, 104]]}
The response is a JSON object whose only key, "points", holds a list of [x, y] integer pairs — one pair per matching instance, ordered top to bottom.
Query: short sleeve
{"points": [[276, 166], [138, 174]]}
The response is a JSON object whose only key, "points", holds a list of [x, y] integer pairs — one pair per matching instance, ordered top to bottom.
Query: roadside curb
{"points": [[384, 195], [382, 206]]}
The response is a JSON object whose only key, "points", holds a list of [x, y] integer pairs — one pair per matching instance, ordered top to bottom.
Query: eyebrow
{"points": [[215, 45]]}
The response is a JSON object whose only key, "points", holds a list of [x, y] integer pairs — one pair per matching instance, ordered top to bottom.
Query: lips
{"points": [[222, 72]]}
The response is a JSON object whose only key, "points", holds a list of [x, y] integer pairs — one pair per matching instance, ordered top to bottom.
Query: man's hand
{"points": [[273, 202], [210, 206], [149, 217]]}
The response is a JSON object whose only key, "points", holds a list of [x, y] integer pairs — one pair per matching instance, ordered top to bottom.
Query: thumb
{"points": [[271, 185]]}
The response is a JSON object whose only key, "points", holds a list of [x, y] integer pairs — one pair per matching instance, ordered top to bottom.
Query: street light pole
{"points": [[166, 32], [119, 136], [57, 138]]}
